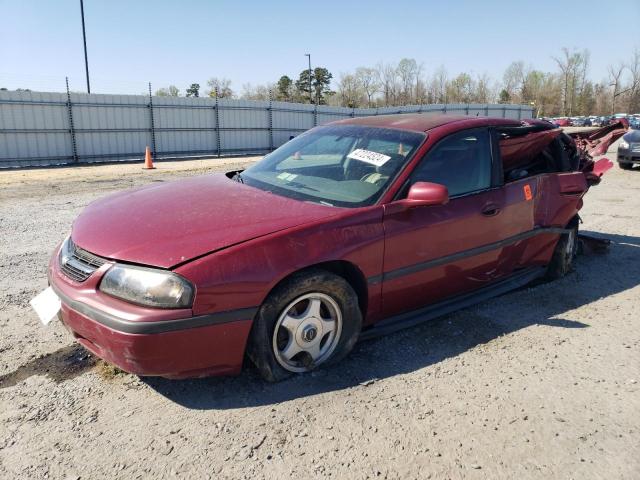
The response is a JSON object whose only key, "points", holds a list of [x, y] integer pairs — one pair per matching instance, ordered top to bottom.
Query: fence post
{"points": [[216, 108], [270, 110], [467, 110], [486, 110], [504, 112], [315, 115], [153, 128], [72, 131]]}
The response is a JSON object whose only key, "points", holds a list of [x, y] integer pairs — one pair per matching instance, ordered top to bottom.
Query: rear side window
{"points": [[461, 162]]}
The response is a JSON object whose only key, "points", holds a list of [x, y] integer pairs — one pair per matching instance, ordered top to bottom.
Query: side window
{"points": [[461, 162]]}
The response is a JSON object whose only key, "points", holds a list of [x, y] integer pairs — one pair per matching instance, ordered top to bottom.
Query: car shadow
{"points": [[596, 276]]}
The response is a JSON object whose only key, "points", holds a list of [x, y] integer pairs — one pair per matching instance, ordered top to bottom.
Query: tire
{"points": [[625, 166], [565, 253], [311, 319]]}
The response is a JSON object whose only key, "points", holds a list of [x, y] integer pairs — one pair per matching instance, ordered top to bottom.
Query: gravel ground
{"points": [[540, 383]]}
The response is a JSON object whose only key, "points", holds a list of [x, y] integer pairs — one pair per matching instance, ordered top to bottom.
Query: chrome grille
{"points": [[634, 147], [80, 264]]}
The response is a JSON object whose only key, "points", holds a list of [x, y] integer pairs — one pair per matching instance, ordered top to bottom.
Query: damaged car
{"points": [[629, 150], [351, 230]]}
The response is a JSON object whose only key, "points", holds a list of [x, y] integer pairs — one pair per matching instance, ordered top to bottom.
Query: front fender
{"points": [[242, 276]]}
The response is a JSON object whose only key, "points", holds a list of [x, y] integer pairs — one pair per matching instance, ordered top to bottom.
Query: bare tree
{"points": [[573, 66], [407, 73], [615, 75], [387, 77], [513, 79], [368, 81], [220, 85], [438, 86], [460, 89], [483, 89], [170, 91], [349, 91], [258, 92], [634, 93], [421, 94]]}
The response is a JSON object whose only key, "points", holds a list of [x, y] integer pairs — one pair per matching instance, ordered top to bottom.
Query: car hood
{"points": [[632, 137], [167, 224]]}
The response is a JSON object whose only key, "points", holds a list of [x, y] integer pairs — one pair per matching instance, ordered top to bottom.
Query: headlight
{"points": [[624, 145], [66, 250], [147, 286]]}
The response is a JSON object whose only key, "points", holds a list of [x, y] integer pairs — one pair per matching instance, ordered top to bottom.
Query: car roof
{"points": [[421, 122]]}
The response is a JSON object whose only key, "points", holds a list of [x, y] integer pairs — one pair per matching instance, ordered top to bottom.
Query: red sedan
{"points": [[353, 229]]}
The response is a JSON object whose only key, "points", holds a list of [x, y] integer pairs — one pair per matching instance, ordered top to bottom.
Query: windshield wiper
{"points": [[302, 185]]}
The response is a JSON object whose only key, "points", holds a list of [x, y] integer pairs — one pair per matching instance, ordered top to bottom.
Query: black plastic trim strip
{"points": [[417, 267], [424, 314], [161, 326]]}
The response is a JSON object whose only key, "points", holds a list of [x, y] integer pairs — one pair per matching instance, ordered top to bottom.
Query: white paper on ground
{"points": [[46, 304]]}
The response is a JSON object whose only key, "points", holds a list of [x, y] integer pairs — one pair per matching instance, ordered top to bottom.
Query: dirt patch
{"points": [[63, 364], [541, 383]]}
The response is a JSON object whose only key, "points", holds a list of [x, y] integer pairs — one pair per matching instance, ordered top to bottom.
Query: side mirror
{"points": [[426, 193], [420, 194]]}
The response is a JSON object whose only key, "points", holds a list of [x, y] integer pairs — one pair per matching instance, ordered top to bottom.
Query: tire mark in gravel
{"points": [[63, 364]]}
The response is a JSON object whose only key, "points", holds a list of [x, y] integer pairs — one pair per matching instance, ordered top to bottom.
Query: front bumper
{"points": [[628, 156], [147, 341]]}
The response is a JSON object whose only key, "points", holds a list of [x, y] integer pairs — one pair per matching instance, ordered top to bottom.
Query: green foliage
{"points": [[320, 83], [284, 88], [193, 90]]}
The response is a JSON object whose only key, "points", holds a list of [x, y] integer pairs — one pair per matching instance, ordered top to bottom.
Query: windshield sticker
{"points": [[367, 156], [287, 177]]}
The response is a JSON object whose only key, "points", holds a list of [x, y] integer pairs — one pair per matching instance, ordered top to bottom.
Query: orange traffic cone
{"points": [[148, 160]]}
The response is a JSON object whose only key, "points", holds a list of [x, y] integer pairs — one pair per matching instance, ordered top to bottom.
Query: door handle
{"points": [[490, 210]]}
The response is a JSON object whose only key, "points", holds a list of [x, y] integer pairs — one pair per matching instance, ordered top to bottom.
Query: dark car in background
{"points": [[629, 150]]}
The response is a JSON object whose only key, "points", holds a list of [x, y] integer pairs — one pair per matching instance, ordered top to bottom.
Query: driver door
{"points": [[435, 252]]}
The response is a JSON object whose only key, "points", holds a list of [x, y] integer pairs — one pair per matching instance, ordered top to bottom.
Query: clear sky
{"points": [[180, 42]]}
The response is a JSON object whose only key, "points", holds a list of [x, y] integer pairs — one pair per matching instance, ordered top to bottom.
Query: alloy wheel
{"points": [[307, 332]]}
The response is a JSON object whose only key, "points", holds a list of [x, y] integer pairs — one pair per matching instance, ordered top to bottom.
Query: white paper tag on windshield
{"points": [[367, 156], [287, 177], [46, 304]]}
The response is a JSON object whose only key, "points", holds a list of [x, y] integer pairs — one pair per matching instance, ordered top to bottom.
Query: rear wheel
{"points": [[564, 253], [312, 319]]}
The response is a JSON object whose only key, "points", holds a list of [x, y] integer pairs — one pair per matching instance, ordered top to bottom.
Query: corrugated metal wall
{"points": [[40, 128]]}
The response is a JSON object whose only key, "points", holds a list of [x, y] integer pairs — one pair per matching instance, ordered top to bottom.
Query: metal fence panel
{"points": [[185, 125], [41, 128], [34, 129]]}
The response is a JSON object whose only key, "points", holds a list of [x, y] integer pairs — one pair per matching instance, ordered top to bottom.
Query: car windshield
{"points": [[338, 165]]}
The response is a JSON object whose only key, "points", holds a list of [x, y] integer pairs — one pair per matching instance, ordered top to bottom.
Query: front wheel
{"points": [[625, 166], [311, 319]]}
